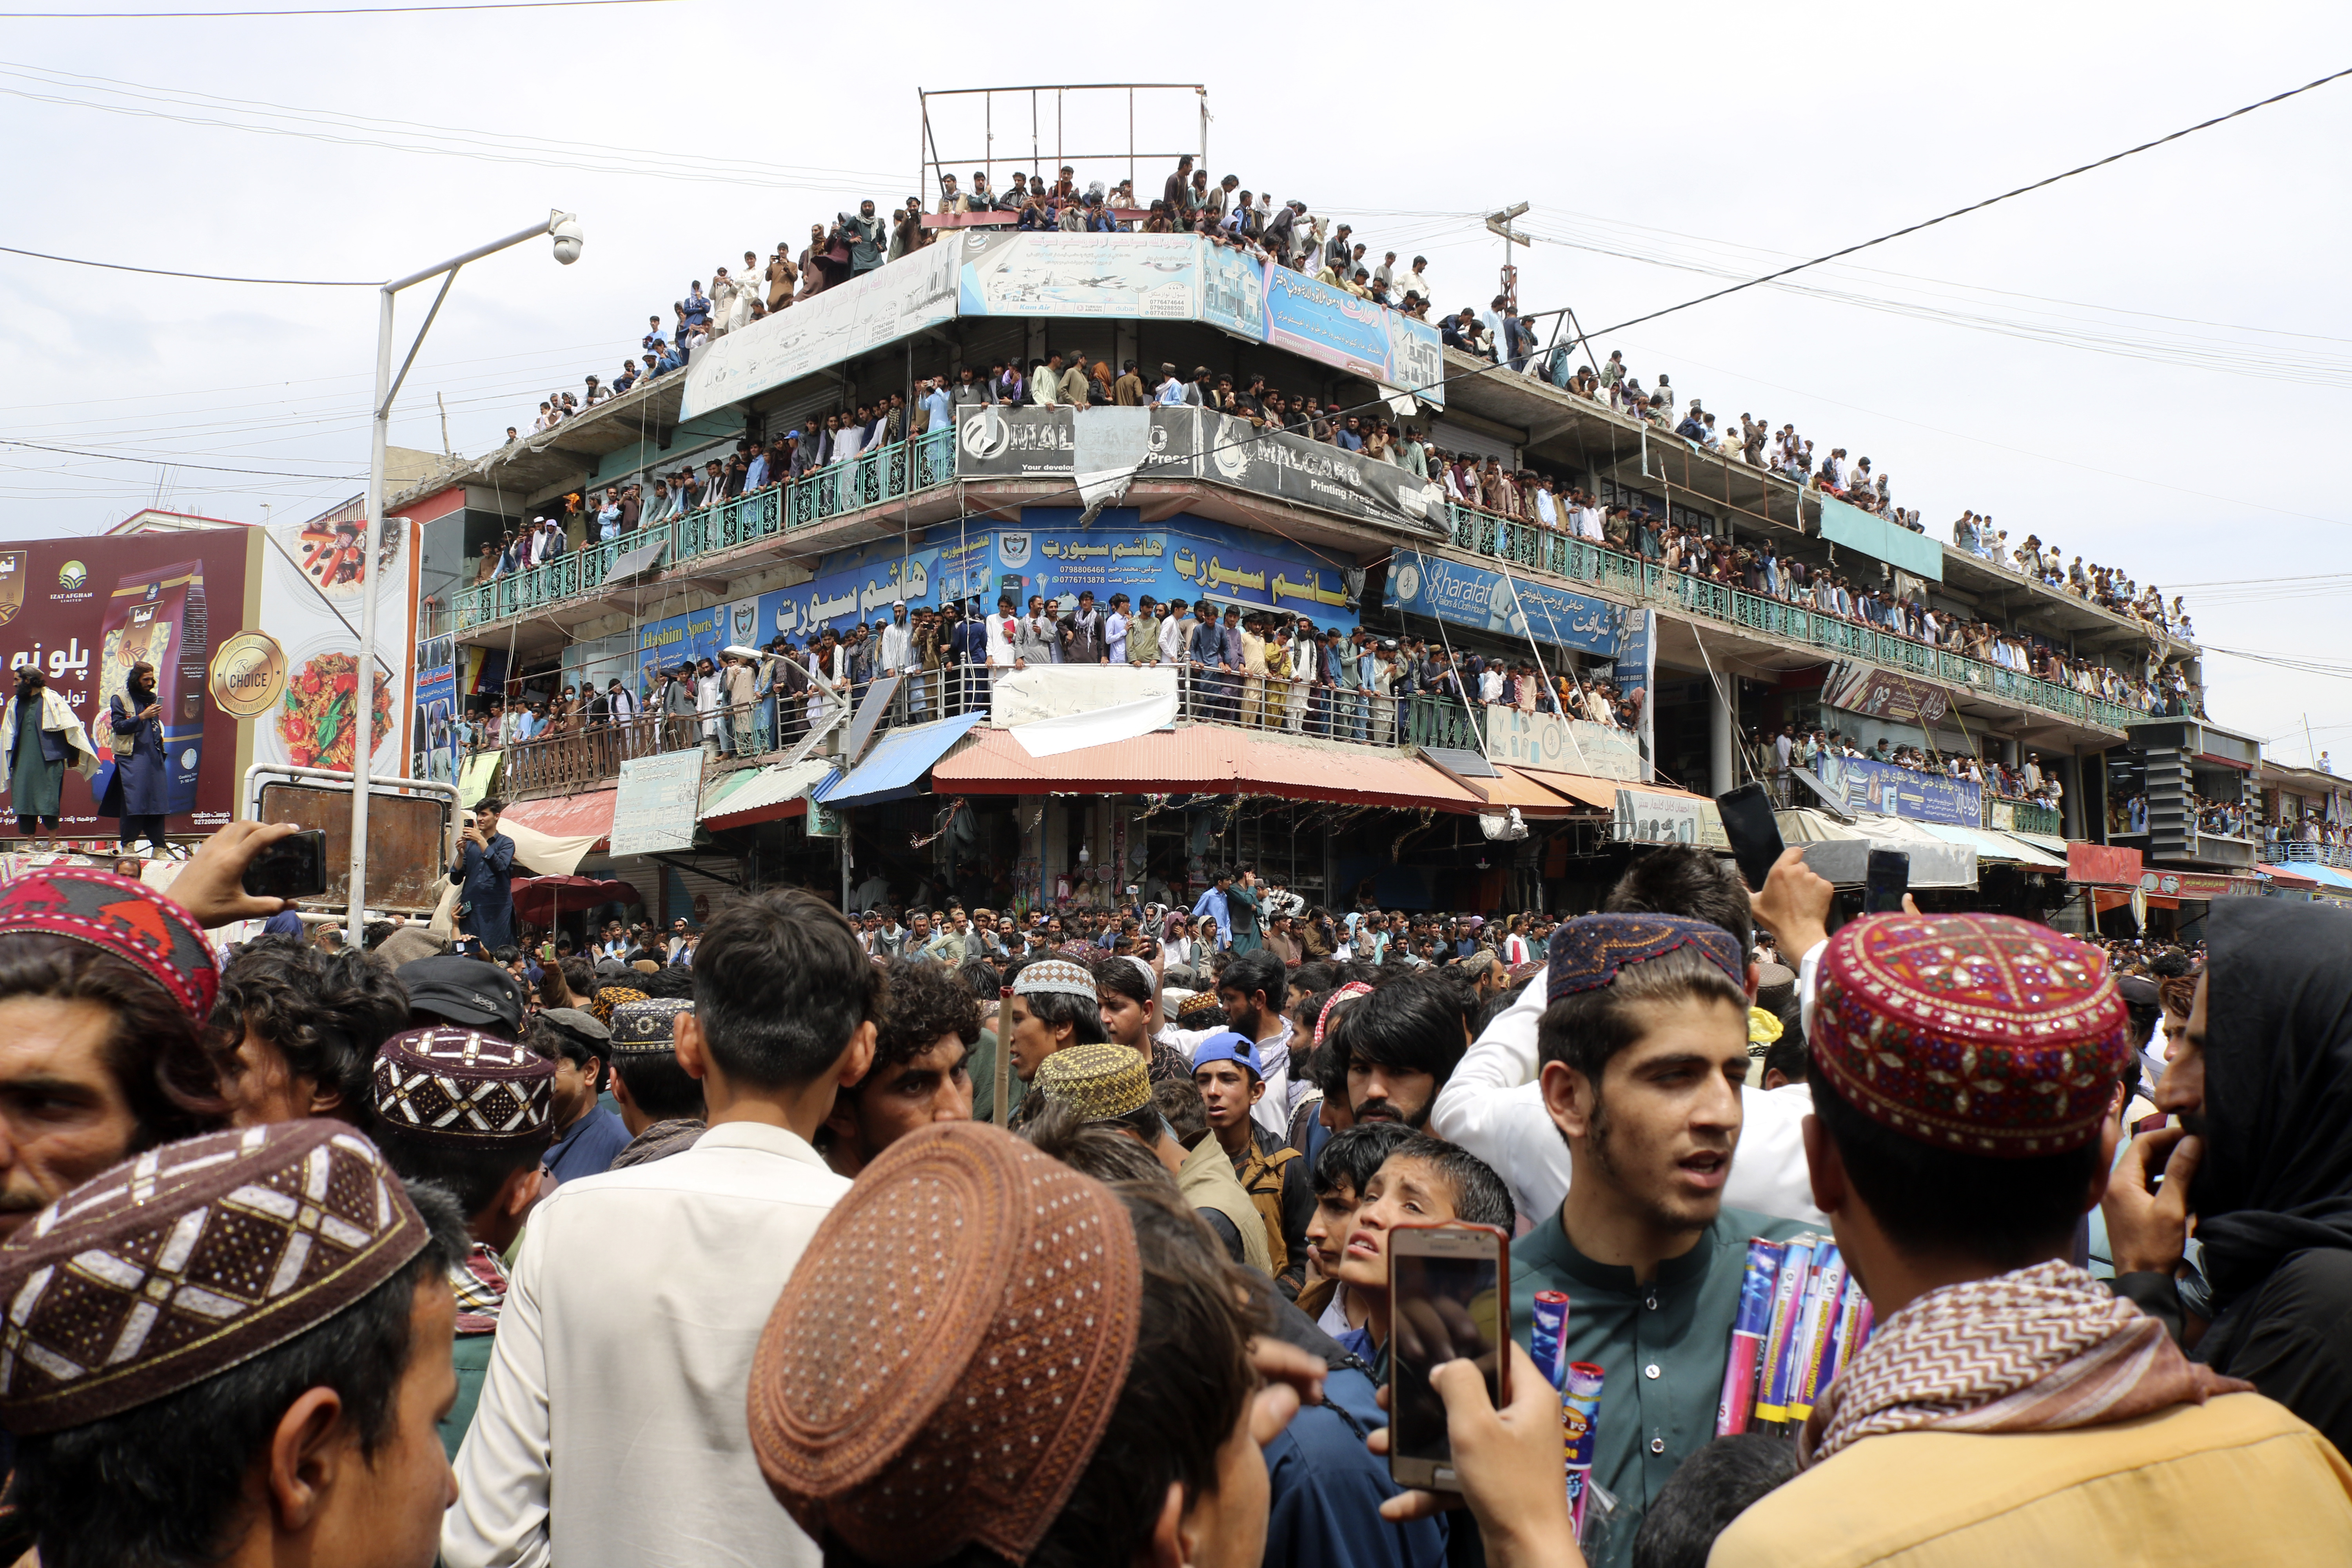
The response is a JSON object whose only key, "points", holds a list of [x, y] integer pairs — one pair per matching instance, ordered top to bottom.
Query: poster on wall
{"points": [[1186, 557], [1515, 607], [246, 633], [1876, 693], [1867, 784]]}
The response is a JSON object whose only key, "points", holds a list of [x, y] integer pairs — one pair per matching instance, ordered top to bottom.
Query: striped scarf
{"points": [[480, 1285], [2044, 1348]]}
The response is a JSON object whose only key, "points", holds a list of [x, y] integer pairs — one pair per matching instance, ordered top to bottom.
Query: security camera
{"points": [[565, 227]]}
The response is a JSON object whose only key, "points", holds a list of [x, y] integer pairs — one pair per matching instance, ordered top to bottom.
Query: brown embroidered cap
{"points": [[452, 1084], [188, 1259], [945, 1358]]}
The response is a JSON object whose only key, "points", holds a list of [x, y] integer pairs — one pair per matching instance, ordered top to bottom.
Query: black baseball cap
{"points": [[469, 991]]}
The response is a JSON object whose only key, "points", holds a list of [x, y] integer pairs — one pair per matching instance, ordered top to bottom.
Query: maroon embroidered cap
{"points": [[124, 918], [1980, 1033], [189, 1258]]}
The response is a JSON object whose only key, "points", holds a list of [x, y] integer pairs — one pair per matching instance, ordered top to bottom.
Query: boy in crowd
{"points": [[1644, 1050], [1232, 1080], [658, 1101], [472, 1114], [1422, 1181]]}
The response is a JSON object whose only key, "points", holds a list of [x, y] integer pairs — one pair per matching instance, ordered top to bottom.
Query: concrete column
{"points": [[1722, 741], [2011, 755], [2070, 775]]}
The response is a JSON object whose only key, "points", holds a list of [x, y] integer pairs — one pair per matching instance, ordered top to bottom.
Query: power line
{"points": [[322, 11], [1989, 201], [203, 276], [175, 462]]}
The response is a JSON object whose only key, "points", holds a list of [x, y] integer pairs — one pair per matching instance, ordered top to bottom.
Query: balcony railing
{"points": [[925, 462], [883, 474], [1558, 555], [590, 756], [2285, 851]]}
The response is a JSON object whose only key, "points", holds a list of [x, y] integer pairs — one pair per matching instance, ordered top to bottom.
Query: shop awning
{"points": [[1201, 759], [893, 769], [1518, 787], [1601, 794], [750, 795], [553, 835], [1992, 845], [1935, 862], [2322, 876], [2285, 877]]}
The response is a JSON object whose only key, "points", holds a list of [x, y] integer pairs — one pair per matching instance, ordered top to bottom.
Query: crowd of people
{"points": [[2106, 586], [1262, 670], [1771, 756], [382, 1258]]}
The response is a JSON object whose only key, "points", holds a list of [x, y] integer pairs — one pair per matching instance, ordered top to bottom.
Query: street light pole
{"points": [[565, 227]]}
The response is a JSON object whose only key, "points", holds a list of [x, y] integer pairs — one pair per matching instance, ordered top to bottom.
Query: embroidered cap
{"points": [[125, 918], [1587, 952], [1055, 976], [609, 998], [648, 1026], [1980, 1033], [1101, 1083], [463, 1087], [188, 1259], [910, 1399]]}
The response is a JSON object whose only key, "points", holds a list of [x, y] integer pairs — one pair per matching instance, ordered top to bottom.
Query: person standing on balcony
{"points": [[864, 235], [1176, 629], [1115, 631], [1082, 633], [1034, 640], [896, 656], [1206, 657], [1254, 670], [737, 685]]}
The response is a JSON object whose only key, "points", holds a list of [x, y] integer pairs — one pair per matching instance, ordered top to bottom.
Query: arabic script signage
{"points": [[1510, 606]]}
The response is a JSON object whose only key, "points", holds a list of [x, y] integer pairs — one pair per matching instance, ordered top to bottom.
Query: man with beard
{"points": [[1252, 990], [1644, 1041], [1396, 1046]]}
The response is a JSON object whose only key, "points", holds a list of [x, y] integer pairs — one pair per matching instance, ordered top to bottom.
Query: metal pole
{"points": [[370, 567]]}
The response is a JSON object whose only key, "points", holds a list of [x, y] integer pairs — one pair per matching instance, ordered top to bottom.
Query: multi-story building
{"points": [[1022, 785]]}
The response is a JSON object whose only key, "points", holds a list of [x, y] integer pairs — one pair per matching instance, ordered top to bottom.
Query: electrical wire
{"points": [[321, 11], [1989, 201], [200, 277], [173, 462]]}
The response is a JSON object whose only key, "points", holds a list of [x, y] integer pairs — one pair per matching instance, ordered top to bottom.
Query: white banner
{"points": [[845, 320], [1062, 690], [655, 809]]}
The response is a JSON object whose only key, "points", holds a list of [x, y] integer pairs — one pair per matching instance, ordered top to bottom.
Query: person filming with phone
{"points": [[483, 868]]}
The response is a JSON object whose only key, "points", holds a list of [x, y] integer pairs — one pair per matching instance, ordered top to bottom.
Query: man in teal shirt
{"points": [[1643, 1043]]}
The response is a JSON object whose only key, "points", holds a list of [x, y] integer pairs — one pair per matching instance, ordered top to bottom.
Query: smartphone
{"points": [[1754, 831], [293, 867], [1888, 878], [1449, 1301]]}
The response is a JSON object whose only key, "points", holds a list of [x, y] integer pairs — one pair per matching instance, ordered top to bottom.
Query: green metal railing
{"points": [[883, 474], [1540, 549]]}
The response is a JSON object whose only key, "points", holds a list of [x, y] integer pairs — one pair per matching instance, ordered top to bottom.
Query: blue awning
{"points": [[893, 769], [2325, 875]]}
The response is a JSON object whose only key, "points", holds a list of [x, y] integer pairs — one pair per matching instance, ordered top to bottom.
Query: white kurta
{"points": [[623, 1362]]}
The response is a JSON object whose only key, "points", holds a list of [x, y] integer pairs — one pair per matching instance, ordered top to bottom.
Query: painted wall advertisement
{"points": [[252, 636], [1867, 784]]}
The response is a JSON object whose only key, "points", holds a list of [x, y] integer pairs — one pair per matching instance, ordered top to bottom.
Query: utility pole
{"points": [[1500, 223]]}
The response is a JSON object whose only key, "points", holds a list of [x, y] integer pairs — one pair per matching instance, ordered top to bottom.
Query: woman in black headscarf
{"points": [[2261, 1084]]}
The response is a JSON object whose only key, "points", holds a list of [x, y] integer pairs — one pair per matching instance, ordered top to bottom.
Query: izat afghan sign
{"points": [[1514, 607]]}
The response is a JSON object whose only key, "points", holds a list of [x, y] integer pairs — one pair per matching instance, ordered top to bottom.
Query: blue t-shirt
{"points": [[587, 1146]]}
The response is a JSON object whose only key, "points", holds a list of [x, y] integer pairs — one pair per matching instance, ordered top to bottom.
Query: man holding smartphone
{"points": [[483, 868]]}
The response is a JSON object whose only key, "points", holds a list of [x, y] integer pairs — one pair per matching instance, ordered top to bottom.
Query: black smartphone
{"points": [[1754, 831], [293, 867], [1888, 878], [1447, 1296]]}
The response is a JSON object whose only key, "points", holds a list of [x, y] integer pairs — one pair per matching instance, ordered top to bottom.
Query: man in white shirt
{"points": [[1493, 1104], [624, 1346]]}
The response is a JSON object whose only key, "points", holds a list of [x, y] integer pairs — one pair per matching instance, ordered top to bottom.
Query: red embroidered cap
{"points": [[125, 918], [1980, 1033]]}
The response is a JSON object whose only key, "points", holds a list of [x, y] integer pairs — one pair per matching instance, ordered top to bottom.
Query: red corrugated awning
{"points": [[1201, 759], [567, 815], [2286, 879]]}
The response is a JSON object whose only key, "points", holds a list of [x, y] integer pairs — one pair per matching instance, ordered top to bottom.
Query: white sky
{"points": [[1727, 138]]}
